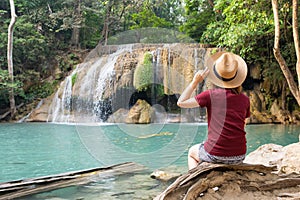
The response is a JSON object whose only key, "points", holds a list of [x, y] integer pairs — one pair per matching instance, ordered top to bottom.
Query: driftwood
{"points": [[220, 181], [21, 188]]}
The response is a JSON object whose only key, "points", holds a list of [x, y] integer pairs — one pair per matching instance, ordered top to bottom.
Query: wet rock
{"points": [[140, 113], [41, 114], [119, 116], [164, 176]]}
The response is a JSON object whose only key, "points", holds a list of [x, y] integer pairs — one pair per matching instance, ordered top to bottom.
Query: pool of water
{"points": [[39, 149]]}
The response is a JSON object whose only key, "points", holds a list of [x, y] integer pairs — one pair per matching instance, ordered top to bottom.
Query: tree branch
{"points": [[296, 38], [284, 68]]}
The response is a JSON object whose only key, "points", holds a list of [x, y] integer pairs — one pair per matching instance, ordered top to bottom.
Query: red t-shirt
{"points": [[226, 121]]}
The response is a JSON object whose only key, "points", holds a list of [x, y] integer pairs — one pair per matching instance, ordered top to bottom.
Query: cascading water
{"points": [[103, 83], [88, 104], [60, 108], [103, 108]]}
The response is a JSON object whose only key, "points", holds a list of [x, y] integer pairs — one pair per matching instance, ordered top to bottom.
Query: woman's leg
{"points": [[193, 156]]}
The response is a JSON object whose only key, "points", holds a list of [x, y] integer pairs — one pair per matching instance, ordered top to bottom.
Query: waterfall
{"points": [[156, 73], [103, 83], [85, 103], [60, 108], [102, 109]]}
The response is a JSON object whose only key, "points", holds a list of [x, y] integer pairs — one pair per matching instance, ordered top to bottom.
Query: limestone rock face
{"points": [[103, 84], [140, 113], [40, 114], [286, 159]]}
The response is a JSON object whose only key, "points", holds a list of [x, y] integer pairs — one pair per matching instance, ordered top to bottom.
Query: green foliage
{"points": [[198, 14], [147, 18], [240, 24], [90, 32], [30, 47], [67, 62], [143, 74], [74, 78], [6, 85], [42, 90]]}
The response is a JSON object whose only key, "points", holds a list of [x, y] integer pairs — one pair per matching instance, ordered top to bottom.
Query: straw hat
{"points": [[227, 70]]}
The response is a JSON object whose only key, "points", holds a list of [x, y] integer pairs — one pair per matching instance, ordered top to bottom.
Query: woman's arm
{"points": [[185, 100]]}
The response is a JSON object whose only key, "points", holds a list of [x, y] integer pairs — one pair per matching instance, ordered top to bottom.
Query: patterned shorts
{"points": [[206, 157]]}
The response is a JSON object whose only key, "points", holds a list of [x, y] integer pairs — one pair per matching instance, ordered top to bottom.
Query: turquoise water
{"points": [[39, 149]]}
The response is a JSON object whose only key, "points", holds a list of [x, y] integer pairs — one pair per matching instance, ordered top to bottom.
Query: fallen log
{"points": [[220, 181], [21, 188]]}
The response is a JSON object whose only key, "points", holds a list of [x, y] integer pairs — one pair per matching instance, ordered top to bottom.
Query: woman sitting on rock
{"points": [[227, 110]]}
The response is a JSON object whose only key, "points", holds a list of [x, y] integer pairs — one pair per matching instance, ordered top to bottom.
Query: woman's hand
{"points": [[199, 77], [185, 100]]}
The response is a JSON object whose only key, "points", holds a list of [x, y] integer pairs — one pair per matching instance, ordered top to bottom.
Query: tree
{"points": [[198, 14], [148, 18], [76, 24], [238, 25], [10, 56], [281, 61]]}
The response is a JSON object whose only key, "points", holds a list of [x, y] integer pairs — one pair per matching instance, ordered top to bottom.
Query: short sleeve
{"points": [[203, 98], [248, 109]]}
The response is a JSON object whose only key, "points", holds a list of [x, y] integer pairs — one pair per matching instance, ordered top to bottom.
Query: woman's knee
{"points": [[194, 151]]}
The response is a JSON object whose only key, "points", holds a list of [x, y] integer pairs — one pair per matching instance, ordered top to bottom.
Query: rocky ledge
{"points": [[270, 172]]}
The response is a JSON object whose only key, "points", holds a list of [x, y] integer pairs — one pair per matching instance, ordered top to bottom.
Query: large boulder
{"points": [[140, 113], [286, 159]]}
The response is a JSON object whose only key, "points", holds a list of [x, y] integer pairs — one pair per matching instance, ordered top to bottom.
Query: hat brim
{"points": [[238, 79]]}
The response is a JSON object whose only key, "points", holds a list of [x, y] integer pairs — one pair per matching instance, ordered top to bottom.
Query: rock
{"points": [[255, 72], [41, 113], [140, 113], [119, 116], [283, 116], [261, 117], [267, 155], [286, 159], [291, 161], [164, 176]]}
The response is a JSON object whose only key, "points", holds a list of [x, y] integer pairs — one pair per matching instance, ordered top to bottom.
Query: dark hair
{"points": [[237, 90]]}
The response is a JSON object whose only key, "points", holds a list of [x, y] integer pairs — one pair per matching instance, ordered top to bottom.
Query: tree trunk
{"points": [[76, 24], [105, 30], [296, 38], [10, 57], [286, 72], [220, 181]]}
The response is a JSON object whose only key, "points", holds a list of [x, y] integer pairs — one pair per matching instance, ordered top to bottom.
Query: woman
{"points": [[227, 110]]}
